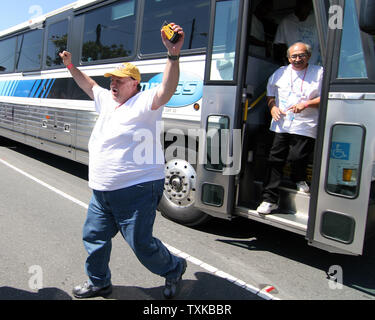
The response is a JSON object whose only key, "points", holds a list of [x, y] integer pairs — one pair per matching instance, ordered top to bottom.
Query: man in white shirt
{"points": [[299, 26], [293, 96], [127, 188]]}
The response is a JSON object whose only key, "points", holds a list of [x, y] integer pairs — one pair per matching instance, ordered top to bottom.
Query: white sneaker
{"points": [[302, 186], [267, 207]]}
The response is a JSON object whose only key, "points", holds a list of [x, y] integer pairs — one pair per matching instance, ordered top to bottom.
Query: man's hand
{"points": [[174, 48], [66, 57], [84, 81], [297, 108], [276, 113]]}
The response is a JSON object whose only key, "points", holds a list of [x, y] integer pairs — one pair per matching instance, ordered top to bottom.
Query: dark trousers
{"points": [[286, 147]]}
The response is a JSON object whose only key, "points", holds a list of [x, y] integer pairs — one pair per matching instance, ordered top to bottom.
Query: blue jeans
{"points": [[132, 212]]}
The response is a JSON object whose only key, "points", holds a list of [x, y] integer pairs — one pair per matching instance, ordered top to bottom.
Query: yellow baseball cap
{"points": [[125, 70]]}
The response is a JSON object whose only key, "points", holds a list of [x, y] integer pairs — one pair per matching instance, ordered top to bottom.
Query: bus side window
{"points": [[192, 15], [109, 31], [57, 42], [29, 50], [7, 54], [351, 61]]}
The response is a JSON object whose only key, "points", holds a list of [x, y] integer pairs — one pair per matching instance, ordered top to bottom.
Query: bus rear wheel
{"points": [[177, 203]]}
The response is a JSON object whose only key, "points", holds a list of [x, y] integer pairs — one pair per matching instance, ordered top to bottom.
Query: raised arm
{"points": [[172, 69], [84, 81]]}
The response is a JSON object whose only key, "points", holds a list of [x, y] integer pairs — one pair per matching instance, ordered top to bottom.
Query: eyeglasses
{"points": [[301, 56]]}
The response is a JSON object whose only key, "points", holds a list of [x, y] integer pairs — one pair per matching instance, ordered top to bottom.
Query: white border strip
{"points": [[262, 293]]}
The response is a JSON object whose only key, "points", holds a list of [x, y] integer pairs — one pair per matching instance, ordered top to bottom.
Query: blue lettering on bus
{"points": [[189, 89]]}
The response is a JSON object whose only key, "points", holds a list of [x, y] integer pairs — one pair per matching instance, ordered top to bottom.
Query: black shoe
{"points": [[171, 285], [87, 290]]}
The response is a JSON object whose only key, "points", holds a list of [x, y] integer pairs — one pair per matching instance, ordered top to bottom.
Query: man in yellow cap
{"points": [[126, 191]]}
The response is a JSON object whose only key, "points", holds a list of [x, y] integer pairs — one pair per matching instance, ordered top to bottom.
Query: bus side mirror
{"points": [[367, 16]]}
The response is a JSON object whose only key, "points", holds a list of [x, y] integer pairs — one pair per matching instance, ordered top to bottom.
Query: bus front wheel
{"points": [[177, 203]]}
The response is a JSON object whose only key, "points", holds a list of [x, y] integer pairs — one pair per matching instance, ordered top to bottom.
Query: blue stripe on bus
{"points": [[49, 81], [8, 85], [2, 86], [44, 86], [12, 87], [15, 87], [23, 88], [35, 88], [3, 89], [9, 89], [31, 89], [40, 89], [49, 90], [189, 90]]}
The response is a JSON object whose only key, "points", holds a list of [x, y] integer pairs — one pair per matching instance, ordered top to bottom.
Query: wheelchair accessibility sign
{"points": [[340, 150]]}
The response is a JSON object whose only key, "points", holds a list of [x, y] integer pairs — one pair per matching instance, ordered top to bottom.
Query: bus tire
{"points": [[177, 202], [186, 216]]}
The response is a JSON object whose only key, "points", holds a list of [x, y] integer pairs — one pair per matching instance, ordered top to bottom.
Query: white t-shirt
{"points": [[291, 30], [289, 87], [124, 147]]}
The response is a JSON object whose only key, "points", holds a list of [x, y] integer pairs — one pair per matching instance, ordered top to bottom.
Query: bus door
{"points": [[220, 140], [341, 206]]}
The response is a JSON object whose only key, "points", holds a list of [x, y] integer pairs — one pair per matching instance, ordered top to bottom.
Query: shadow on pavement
{"points": [[254, 236], [206, 287], [10, 293]]}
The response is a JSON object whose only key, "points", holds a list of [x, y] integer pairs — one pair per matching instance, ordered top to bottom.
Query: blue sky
{"points": [[14, 12]]}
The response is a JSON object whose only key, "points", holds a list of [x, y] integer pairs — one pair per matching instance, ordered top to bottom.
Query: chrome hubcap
{"points": [[180, 179]]}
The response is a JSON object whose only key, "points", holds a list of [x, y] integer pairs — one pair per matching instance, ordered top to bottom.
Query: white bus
{"points": [[228, 55]]}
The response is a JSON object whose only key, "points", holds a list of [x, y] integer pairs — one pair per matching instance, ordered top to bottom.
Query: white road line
{"points": [[61, 193], [211, 269]]}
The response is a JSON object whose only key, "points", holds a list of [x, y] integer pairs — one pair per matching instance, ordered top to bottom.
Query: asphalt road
{"points": [[43, 201]]}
